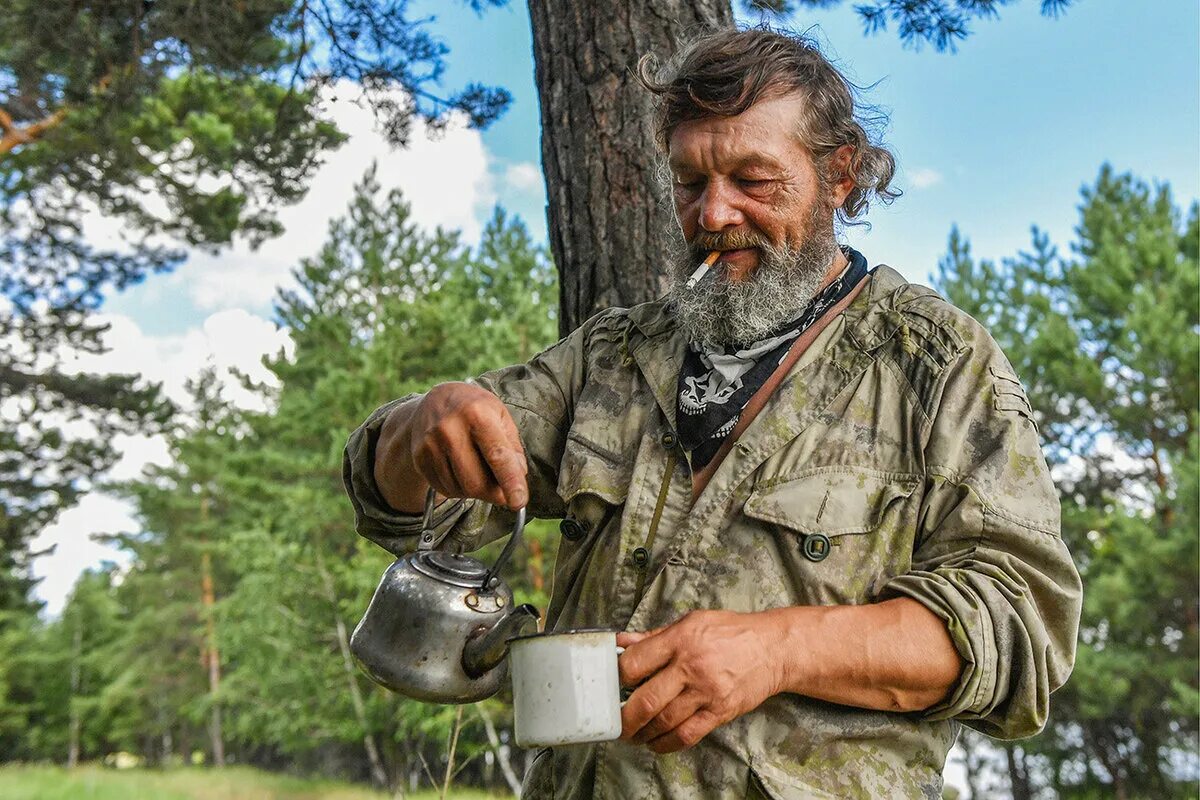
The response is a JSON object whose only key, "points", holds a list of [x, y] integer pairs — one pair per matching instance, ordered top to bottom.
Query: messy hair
{"points": [[725, 72]]}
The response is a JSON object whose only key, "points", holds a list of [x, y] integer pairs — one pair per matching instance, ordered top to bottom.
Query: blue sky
{"points": [[1014, 123]]}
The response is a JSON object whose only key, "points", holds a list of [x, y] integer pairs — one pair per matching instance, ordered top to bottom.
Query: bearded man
{"points": [[809, 494]]}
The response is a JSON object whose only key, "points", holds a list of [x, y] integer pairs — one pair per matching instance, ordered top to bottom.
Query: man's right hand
{"points": [[458, 438]]}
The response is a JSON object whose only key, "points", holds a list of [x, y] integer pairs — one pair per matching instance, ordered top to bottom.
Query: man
{"points": [[812, 495]]}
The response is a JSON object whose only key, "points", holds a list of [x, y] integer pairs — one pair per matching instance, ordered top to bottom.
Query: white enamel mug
{"points": [[565, 687]]}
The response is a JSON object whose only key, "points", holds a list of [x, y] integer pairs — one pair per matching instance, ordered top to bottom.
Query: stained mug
{"points": [[565, 687]]}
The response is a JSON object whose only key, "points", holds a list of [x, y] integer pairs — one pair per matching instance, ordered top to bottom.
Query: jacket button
{"points": [[669, 440], [572, 529], [816, 546], [641, 557]]}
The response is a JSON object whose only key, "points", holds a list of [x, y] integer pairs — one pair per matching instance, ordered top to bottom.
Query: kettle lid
{"points": [[452, 568]]}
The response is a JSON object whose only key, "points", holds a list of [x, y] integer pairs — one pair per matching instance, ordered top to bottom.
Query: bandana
{"points": [[715, 384]]}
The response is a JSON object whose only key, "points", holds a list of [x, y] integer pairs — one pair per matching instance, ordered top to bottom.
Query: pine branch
{"points": [[14, 135]]}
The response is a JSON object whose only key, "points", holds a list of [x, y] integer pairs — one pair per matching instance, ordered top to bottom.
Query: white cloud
{"points": [[444, 176], [523, 176], [924, 177], [230, 339], [75, 549]]}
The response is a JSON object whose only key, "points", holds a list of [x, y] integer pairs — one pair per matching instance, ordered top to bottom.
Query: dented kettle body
{"points": [[438, 624]]}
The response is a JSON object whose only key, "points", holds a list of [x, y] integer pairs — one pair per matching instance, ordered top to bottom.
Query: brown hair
{"points": [[725, 72]]}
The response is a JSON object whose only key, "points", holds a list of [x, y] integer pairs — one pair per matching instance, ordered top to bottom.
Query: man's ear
{"points": [[842, 181]]}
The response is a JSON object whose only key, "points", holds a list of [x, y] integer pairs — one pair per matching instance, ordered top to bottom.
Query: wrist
{"points": [[396, 476], [791, 638]]}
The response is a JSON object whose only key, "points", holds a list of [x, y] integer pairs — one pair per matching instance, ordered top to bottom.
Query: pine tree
{"points": [[1106, 341]]}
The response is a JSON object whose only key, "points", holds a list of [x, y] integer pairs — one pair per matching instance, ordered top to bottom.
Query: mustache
{"points": [[706, 242]]}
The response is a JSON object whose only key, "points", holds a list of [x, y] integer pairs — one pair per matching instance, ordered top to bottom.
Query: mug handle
{"points": [[622, 690]]}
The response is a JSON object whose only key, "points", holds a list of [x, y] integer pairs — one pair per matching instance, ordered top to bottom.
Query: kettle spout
{"points": [[487, 647]]}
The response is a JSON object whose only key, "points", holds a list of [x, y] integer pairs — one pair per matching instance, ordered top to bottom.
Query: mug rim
{"points": [[548, 634]]}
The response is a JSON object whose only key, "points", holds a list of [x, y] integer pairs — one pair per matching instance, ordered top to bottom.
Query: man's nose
{"points": [[719, 209]]}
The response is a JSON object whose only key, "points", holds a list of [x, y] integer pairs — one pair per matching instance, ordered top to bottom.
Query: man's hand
{"points": [[461, 440], [712, 666], [700, 672]]}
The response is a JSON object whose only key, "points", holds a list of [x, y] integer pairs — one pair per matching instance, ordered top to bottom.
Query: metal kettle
{"points": [[438, 626]]}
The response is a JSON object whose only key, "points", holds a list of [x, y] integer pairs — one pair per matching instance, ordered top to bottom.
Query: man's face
{"points": [[745, 185]]}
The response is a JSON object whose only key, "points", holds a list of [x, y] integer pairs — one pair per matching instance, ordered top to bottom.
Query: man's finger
{"points": [[505, 457], [437, 472], [471, 473], [627, 638], [643, 657], [648, 700], [676, 712], [688, 733]]}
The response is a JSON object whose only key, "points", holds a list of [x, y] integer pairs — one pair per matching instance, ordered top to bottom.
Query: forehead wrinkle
{"points": [[725, 148]]}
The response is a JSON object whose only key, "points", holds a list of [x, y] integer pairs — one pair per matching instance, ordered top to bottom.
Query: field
{"points": [[233, 783]]}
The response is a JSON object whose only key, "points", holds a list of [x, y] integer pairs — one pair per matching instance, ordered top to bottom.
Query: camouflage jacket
{"points": [[902, 434]]}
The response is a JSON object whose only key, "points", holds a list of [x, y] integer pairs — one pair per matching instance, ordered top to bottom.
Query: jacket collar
{"points": [[870, 321]]}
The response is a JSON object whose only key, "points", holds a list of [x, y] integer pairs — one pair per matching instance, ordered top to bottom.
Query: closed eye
{"points": [[754, 183], [690, 186]]}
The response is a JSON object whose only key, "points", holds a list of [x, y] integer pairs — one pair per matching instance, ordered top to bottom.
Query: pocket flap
{"points": [[590, 469], [832, 501], [774, 783]]}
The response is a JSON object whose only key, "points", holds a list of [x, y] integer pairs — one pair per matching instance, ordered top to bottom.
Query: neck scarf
{"points": [[716, 383]]}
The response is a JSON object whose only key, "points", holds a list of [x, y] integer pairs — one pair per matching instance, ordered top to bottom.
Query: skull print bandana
{"points": [[715, 384]]}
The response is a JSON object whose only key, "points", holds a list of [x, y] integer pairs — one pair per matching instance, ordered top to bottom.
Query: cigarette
{"points": [[702, 270]]}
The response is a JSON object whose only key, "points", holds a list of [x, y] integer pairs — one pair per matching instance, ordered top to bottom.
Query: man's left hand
{"points": [[700, 672]]}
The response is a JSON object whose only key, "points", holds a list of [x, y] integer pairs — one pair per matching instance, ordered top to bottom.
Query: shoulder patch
{"points": [[1008, 394]]}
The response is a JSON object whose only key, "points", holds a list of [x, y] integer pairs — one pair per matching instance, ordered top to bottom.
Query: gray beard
{"points": [[722, 312]]}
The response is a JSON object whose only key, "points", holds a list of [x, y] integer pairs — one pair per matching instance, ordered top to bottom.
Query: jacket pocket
{"points": [[589, 468], [593, 485], [831, 501], [840, 533], [768, 782]]}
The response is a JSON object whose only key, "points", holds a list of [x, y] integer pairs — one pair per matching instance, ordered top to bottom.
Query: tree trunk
{"points": [[608, 220], [76, 655], [212, 657], [501, 750], [378, 773], [1018, 773]]}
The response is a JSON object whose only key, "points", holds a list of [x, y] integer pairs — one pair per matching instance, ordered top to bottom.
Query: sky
{"points": [[994, 138]]}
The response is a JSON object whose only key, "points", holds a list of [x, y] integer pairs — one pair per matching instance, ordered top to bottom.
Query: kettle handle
{"points": [[429, 540], [491, 579]]}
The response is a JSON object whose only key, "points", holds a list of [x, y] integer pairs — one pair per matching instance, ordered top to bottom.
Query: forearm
{"points": [[399, 482], [892, 656]]}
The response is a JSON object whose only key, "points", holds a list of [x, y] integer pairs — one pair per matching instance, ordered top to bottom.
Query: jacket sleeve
{"points": [[540, 396], [989, 559]]}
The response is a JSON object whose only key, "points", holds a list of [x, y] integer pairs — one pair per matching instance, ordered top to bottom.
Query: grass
{"points": [[91, 782]]}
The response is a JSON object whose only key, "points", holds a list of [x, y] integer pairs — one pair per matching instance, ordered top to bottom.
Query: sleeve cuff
{"points": [[374, 519], [970, 627]]}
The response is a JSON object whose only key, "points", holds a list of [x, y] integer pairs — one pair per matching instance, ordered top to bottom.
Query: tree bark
{"points": [[609, 221]]}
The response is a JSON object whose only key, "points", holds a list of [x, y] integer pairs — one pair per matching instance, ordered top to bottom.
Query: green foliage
{"points": [[941, 23], [182, 122], [381, 310], [1107, 342]]}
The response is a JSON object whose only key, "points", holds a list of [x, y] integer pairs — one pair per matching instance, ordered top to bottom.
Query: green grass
{"points": [[185, 783]]}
